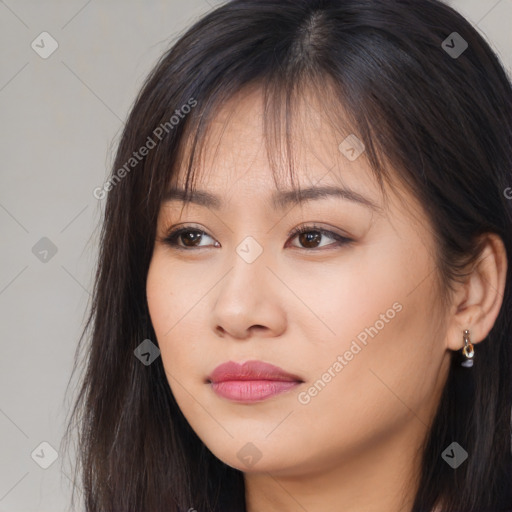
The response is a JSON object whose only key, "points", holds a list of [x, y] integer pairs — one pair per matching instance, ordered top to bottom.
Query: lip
{"points": [[251, 381]]}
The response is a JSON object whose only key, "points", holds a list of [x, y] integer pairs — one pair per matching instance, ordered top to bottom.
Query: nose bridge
{"points": [[248, 274], [246, 296]]}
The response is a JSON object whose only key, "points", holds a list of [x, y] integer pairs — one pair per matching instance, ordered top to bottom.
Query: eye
{"points": [[188, 236], [310, 237]]}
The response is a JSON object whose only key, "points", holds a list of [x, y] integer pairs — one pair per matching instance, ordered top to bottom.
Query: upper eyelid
{"points": [[309, 227]]}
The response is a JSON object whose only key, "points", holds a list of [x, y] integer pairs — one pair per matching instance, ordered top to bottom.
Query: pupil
{"points": [[191, 236], [307, 238]]}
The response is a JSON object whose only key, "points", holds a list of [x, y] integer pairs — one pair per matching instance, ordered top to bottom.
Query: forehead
{"points": [[246, 143]]}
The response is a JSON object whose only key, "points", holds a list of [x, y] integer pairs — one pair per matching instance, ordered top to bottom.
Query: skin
{"points": [[354, 445]]}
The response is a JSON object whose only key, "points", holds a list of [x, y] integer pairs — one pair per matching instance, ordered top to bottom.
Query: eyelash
{"points": [[171, 238]]}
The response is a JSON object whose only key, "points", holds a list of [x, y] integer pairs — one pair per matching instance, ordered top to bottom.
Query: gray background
{"points": [[61, 118]]}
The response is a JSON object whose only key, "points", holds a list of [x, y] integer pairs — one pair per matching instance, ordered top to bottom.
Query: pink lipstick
{"points": [[252, 381]]}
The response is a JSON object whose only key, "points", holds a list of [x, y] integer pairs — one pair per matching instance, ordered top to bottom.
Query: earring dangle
{"points": [[468, 350]]}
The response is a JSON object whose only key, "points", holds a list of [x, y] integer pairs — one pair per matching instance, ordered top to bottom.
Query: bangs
{"points": [[286, 109]]}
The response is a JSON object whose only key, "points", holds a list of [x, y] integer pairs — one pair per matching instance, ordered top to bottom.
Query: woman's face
{"points": [[355, 324]]}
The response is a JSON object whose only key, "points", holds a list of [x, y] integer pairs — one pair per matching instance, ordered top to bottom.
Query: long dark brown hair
{"points": [[442, 122]]}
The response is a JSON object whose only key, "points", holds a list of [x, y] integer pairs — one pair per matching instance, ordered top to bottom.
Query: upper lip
{"points": [[251, 370]]}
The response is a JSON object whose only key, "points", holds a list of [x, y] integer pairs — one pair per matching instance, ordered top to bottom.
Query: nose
{"points": [[250, 301]]}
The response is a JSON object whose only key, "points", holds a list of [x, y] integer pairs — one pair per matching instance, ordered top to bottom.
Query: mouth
{"points": [[252, 381]]}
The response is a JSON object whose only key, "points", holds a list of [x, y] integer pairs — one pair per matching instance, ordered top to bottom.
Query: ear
{"points": [[477, 301]]}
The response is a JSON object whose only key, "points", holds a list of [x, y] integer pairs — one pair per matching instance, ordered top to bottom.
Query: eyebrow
{"points": [[280, 199]]}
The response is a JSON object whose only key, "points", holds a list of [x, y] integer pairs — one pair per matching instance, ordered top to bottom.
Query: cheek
{"points": [[171, 296], [345, 298], [174, 306], [165, 309], [378, 315], [372, 392]]}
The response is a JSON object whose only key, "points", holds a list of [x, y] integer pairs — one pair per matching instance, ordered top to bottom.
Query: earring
{"points": [[468, 350]]}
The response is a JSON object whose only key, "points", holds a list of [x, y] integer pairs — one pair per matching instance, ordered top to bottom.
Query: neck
{"points": [[382, 478]]}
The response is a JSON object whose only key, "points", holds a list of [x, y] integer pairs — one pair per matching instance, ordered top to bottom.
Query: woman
{"points": [[303, 294]]}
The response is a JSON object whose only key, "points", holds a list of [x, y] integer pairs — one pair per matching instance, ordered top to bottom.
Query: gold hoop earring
{"points": [[468, 350]]}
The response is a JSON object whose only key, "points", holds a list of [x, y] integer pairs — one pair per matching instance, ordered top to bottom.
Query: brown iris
{"points": [[190, 237], [310, 238]]}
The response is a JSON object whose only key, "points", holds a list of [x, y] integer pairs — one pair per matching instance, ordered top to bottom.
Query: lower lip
{"points": [[251, 390]]}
